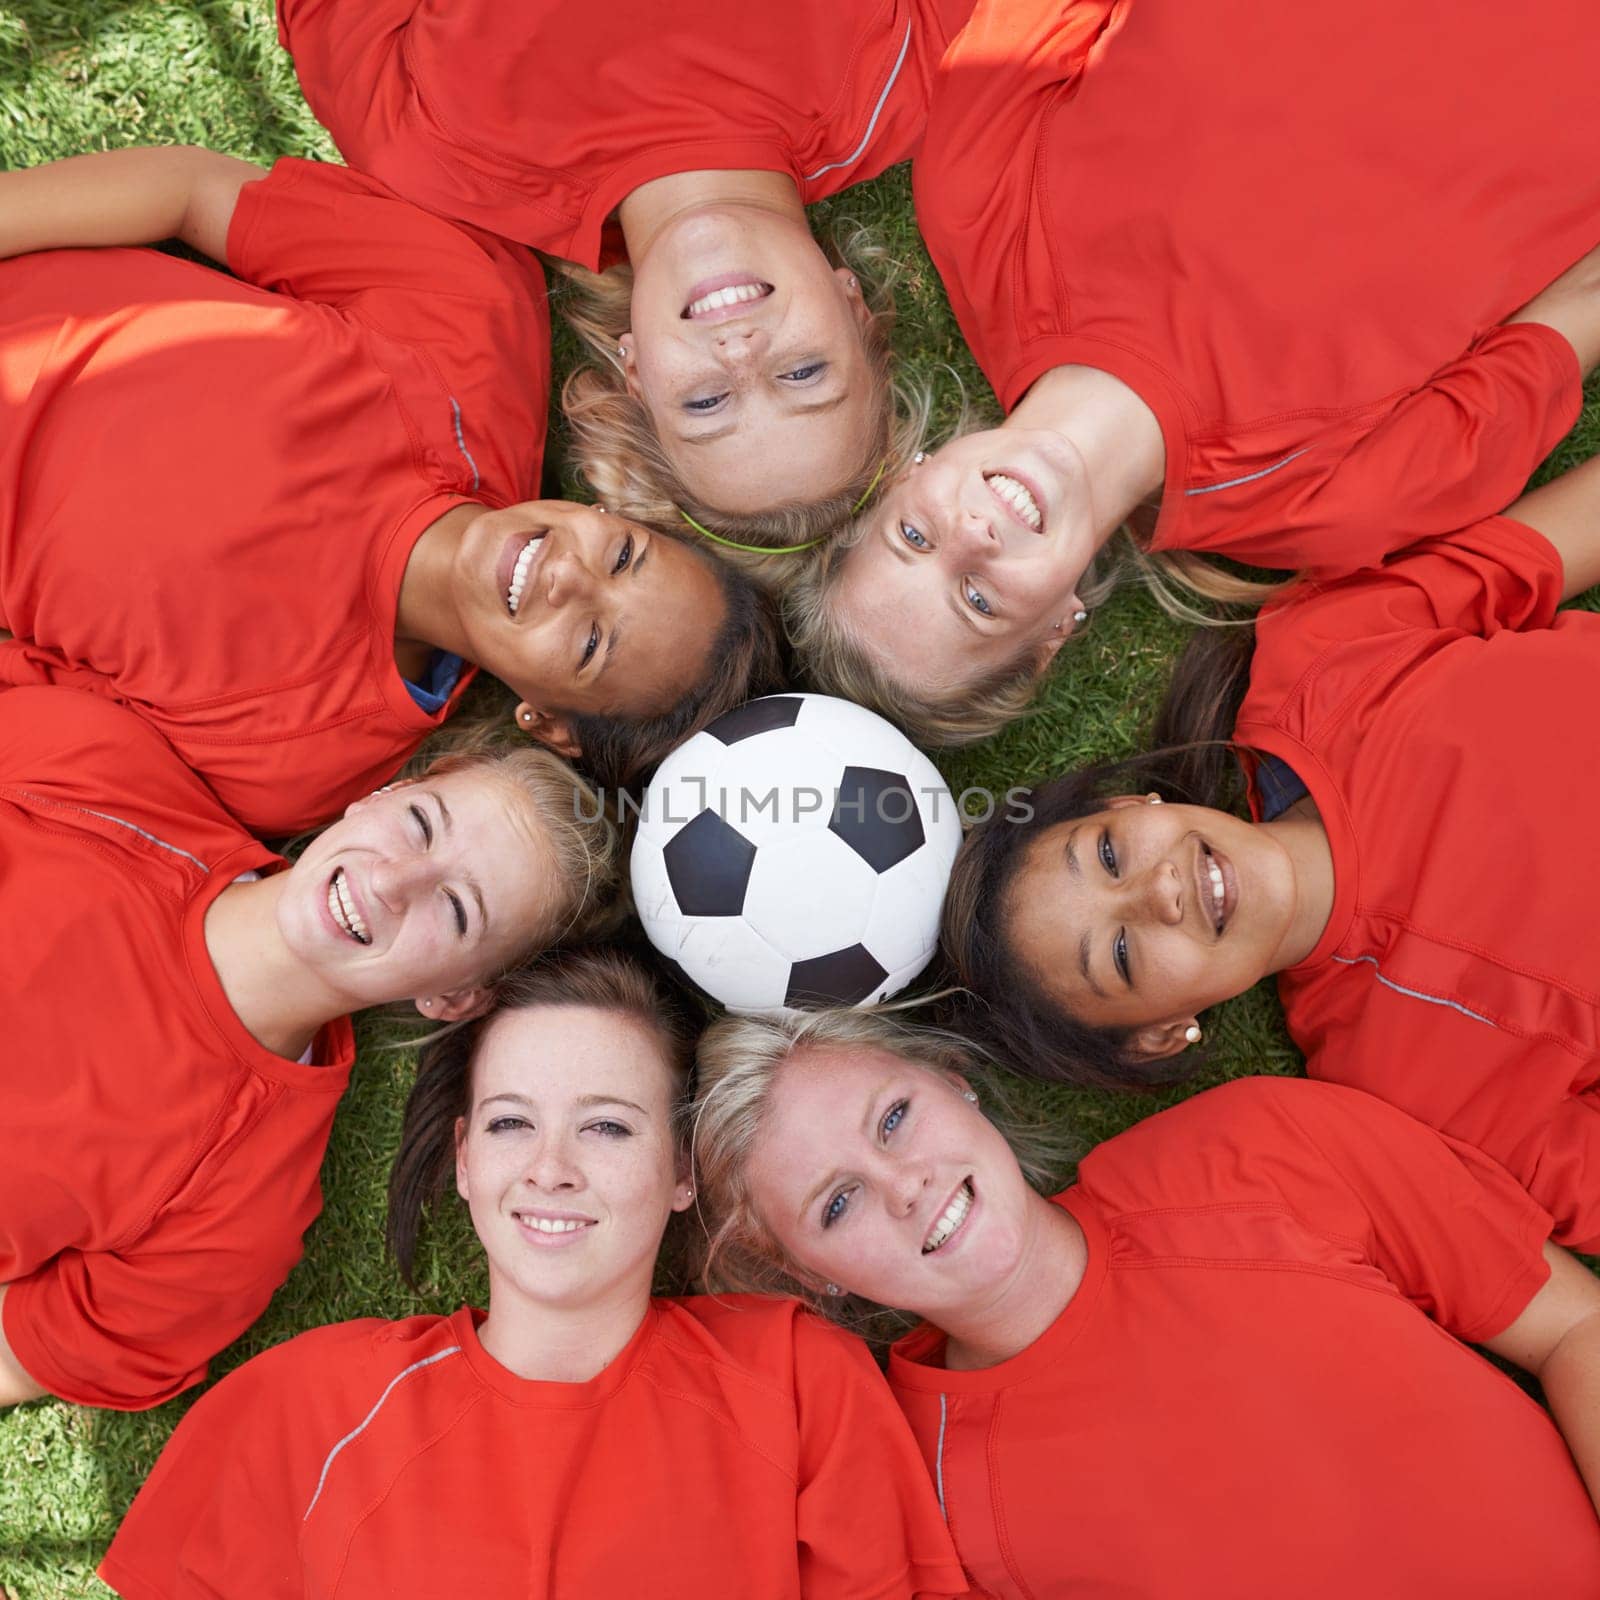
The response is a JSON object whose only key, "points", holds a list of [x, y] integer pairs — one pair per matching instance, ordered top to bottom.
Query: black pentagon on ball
{"points": [[756, 716], [876, 815], [708, 866], [845, 978]]}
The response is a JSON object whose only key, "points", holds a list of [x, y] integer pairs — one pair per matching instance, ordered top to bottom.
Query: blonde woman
{"points": [[739, 373], [176, 1001], [1228, 1359]]}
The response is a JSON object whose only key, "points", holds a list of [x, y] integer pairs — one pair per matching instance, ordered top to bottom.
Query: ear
{"points": [[859, 308], [630, 371], [549, 728], [1117, 801], [460, 1005], [1157, 1041], [461, 1160], [683, 1195]]}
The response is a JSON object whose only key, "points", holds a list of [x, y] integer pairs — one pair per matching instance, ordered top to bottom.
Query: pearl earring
{"points": [[851, 281], [622, 350], [919, 458], [1080, 617], [527, 717], [1152, 799], [1192, 1034], [833, 1289]]}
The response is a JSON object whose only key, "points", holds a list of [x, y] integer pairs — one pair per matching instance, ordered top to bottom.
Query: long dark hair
{"points": [[605, 979], [1004, 1004]]}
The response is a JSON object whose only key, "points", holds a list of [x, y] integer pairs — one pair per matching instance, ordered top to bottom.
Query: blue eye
{"points": [[802, 374], [709, 403], [914, 537], [624, 556], [976, 600], [1108, 855], [893, 1117], [611, 1130], [836, 1208]]}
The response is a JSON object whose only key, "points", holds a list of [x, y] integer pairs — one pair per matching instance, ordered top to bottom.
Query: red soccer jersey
{"points": [[536, 119], [1291, 230], [209, 489], [1428, 707], [157, 1165], [1244, 1397], [737, 1446]]}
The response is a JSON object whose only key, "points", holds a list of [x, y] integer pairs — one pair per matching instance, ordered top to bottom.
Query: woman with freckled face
{"points": [[1301, 323], [739, 373], [283, 514], [1416, 868], [190, 990], [1228, 1359], [483, 1453]]}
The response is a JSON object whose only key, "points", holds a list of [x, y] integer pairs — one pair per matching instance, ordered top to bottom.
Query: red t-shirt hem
{"points": [[116, 1574]]}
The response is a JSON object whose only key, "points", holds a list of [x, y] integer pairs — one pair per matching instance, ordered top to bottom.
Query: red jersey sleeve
{"points": [[473, 305], [1459, 448], [1445, 1225], [220, 1512], [867, 1521]]}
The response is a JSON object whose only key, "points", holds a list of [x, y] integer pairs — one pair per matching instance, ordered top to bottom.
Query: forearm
{"points": [[121, 197], [1571, 305], [1567, 512], [1571, 1379], [15, 1384]]}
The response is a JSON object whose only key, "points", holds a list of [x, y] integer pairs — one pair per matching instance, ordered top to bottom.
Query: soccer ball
{"points": [[795, 853]]}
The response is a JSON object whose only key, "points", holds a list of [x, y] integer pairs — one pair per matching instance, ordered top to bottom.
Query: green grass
{"points": [[97, 74]]}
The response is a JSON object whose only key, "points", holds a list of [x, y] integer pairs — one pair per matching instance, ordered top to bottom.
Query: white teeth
{"points": [[718, 298], [1017, 496], [519, 573], [1218, 890], [344, 911], [954, 1215], [551, 1225]]}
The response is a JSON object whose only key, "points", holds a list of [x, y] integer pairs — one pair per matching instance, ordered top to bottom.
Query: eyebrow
{"points": [[472, 883], [585, 1102]]}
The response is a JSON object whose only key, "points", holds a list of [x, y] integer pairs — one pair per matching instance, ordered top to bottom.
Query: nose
{"points": [[740, 345], [975, 535], [566, 576], [397, 880], [1158, 893], [552, 1165], [905, 1182]]}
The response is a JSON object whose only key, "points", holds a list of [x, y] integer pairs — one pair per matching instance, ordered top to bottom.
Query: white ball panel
{"points": [[804, 775], [677, 792], [652, 889], [810, 895], [903, 926], [732, 962]]}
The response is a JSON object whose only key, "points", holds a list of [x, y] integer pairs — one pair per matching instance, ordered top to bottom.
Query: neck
{"points": [[653, 207], [1115, 432], [425, 618], [1301, 835], [279, 1002], [1047, 1276], [560, 1344]]}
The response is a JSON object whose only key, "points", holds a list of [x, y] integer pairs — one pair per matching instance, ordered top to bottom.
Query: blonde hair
{"points": [[619, 453], [583, 840], [738, 1063]]}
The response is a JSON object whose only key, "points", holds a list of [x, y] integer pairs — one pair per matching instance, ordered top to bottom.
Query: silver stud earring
{"points": [[851, 281], [622, 350], [919, 458], [1080, 617], [527, 717], [1152, 799], [1192, 1034], [967, 1094], [832, 1288]]}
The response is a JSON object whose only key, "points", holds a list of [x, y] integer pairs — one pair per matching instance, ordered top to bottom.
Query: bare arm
{"points": [[124, 197], [1571, 305], [1567, 512], [1557, 1339], [15, 1384]]}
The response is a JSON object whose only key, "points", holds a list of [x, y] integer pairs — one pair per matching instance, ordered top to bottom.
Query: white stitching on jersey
{"points": [[877, 111], [461, 442], [1249, 477], [1412, 994], [356, 1432], [938, 1459]]}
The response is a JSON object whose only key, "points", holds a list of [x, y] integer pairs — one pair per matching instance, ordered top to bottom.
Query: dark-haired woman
{"points": [[738, 373], [280, 513], [1418, 869], [177, 1037], [1225, 1362], [580, 1438]]}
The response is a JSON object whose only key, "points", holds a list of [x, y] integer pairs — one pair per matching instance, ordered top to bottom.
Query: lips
{"points": [[729, 295], [1020, 498], [520, 555], [1216, 886], [345, 909], [545, 1228]]}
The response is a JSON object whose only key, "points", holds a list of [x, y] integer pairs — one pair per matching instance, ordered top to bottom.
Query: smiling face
{"points": [[746, 349], [984, 543], [580, 611], [422, 890], [1142, 915], [566, 1158], [878, 1175]]}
